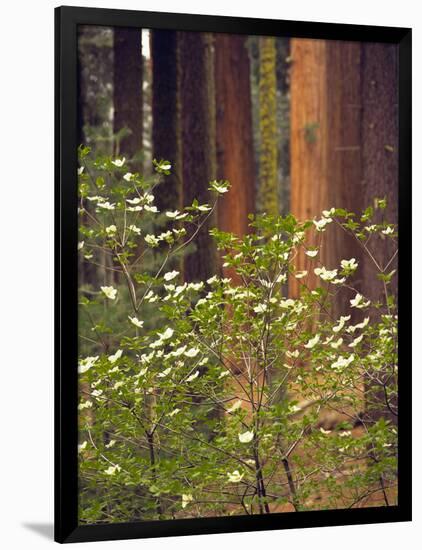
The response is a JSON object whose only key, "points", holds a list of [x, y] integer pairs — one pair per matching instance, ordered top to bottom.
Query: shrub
{"points": [[206, 398]]}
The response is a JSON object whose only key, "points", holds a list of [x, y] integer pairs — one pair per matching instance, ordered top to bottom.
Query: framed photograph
{"points": [[233, 282]]}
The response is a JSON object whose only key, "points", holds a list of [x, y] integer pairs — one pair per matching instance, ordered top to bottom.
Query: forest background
{"points": [[296, 126]]}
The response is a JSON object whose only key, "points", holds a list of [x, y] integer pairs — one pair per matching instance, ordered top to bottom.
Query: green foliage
{"points": [[206, 398]]}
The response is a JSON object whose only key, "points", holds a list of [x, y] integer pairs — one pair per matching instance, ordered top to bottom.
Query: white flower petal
{"points": [[246, 437]]}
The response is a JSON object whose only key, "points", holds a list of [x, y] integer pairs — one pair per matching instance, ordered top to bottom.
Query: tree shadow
{"points": [[46, 530]]}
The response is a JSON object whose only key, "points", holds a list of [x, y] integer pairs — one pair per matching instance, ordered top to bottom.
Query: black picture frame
{"points": [[67, 20]]}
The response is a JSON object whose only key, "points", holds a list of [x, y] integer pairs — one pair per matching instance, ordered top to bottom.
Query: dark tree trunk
{"points": [[128, 90], [166, 115], [198, 142], [380, 147], [380, 179]]}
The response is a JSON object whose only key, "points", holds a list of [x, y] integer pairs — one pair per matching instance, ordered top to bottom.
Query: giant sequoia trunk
{"points": [[128, 90], [166, 115], [344, 132], [198, 142], [325, 143], [380, 147], [235, 151], [235, 154], [268, 177], [380, 179]]}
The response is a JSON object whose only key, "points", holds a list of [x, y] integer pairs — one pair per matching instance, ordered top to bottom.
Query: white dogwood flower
{"points": [[118, 162], [128, 176], [220, 187], [96, 198], [134, 201], [106, 205], [173, 214], [320, 224], [370, 228], [134, 229], [111, 230], [388, 231], [151, 240], [311, 253], [349, 265], [325, 274], [170, 275], [338, 281], [109, 291], [359, 301], [287, 303], [135, 321], [341, 323], [361, 325], [168, 333], [356, 341], [312, 342], [337, 344], [178, 352], [193, 352], [113, 358], [342, 362], [87, 363], [164, 373], [192, 376], [85, 405], [246, 437], [111, 470], [235, 477], [186, 499]]}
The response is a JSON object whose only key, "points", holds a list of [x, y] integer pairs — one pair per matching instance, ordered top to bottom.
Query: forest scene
{"points": [[238, 255]]}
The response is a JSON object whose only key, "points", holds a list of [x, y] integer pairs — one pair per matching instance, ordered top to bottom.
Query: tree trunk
{"points": [[128, 91], [166, 115], [283, 123], [344, 136], [198, 142], [325, 144], [380, 148], [235, 154], [380, 177], [268, 180]]}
